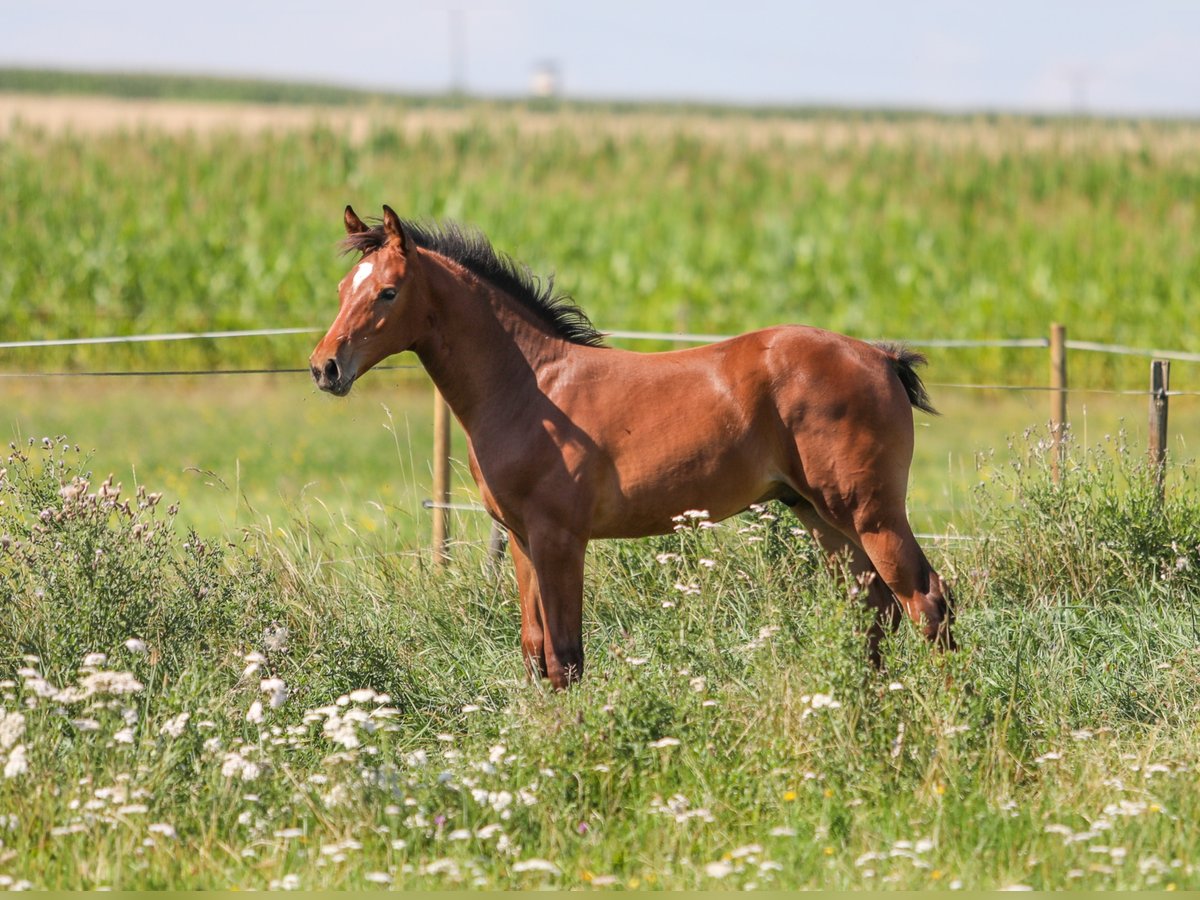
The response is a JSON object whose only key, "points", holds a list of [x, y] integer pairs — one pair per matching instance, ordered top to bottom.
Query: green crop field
{"points": [[877, 228], [259, 681]]}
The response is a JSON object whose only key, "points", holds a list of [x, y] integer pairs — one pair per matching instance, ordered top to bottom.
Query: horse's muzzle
{"points": [[331, 377]]}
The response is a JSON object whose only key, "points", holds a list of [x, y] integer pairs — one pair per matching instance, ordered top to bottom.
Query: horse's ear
{"points": [[354, 225], [393, 229]]}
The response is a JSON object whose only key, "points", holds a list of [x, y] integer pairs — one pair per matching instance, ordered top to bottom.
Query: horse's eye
{"points": [[387, 294]]}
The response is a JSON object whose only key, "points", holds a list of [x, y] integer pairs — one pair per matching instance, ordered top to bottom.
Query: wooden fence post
{"points": [[1160, 384], [1058, 398], [441, 479]]}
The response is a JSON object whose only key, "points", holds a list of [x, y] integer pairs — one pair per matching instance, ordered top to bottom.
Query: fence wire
{"points": [[675, 337]]}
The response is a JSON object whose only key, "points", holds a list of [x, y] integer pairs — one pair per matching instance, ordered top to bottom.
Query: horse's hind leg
{"points": [[898, 558], [879, 596]]}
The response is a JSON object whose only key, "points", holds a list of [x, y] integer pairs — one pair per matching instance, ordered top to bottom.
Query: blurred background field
{"points": [[900, 227]]}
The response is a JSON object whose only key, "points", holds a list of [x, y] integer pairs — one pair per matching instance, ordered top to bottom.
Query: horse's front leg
{"points": [[557, 559], [532, 632]]}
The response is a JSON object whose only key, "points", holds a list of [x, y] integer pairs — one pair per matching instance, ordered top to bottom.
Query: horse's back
{"points": [[715, 427]]}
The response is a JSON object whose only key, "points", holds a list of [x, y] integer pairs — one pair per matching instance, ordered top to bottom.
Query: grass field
{"points": [[258, 680], [207, 713]]}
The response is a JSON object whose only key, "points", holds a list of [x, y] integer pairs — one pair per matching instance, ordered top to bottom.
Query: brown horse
{"points": [[571, 440]]}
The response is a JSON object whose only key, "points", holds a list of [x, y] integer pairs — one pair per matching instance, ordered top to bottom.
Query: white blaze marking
{"points": [[362, 273]]}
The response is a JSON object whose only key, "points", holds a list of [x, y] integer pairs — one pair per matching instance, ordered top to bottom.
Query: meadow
{"points": [[232, 665], [302, 708]]}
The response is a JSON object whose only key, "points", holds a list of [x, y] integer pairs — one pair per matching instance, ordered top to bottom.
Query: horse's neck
{"points": [[482, 344]]}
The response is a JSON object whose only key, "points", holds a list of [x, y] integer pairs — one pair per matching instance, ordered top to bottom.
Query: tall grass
{"points": [[892, 233], [728, 732]]}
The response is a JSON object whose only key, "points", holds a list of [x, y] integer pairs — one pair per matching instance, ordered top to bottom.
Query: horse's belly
{"points": [[644, 498]]}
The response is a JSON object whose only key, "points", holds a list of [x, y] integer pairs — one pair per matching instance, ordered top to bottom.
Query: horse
{"points": [[571, 440]]}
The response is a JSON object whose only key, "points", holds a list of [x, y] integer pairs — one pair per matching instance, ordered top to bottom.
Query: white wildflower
{"points": [[136, 645], [95, 659], [254, 661], [104, 683], [277, 689], [362, 695], [254, 714], [12, 726], [174, 727], [124, 736], [664, 742], [16, 764], [234, 765], [500, 800], [680, 809], [163, 828], [459, 834], [748, 850], [536, 865], [441, 867], [718, 869], [378, 877]]}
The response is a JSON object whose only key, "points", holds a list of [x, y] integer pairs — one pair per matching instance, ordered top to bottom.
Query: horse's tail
{"points": [[904, 364]]}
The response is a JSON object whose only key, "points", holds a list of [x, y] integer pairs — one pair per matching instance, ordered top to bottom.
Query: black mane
{"points": [[473, 251]]}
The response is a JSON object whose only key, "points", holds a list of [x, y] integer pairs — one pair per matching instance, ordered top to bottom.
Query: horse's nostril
{"points": [[331, 371], [316, 374]]}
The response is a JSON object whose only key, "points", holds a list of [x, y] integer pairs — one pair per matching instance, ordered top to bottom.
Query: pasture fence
{"points": [[1057, 343]]}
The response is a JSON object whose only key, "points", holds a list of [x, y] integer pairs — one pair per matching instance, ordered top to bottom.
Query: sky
{"points": [[1103, 56]]}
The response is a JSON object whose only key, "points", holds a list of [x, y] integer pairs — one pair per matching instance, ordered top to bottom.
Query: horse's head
{"points": [[379, 308]]}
